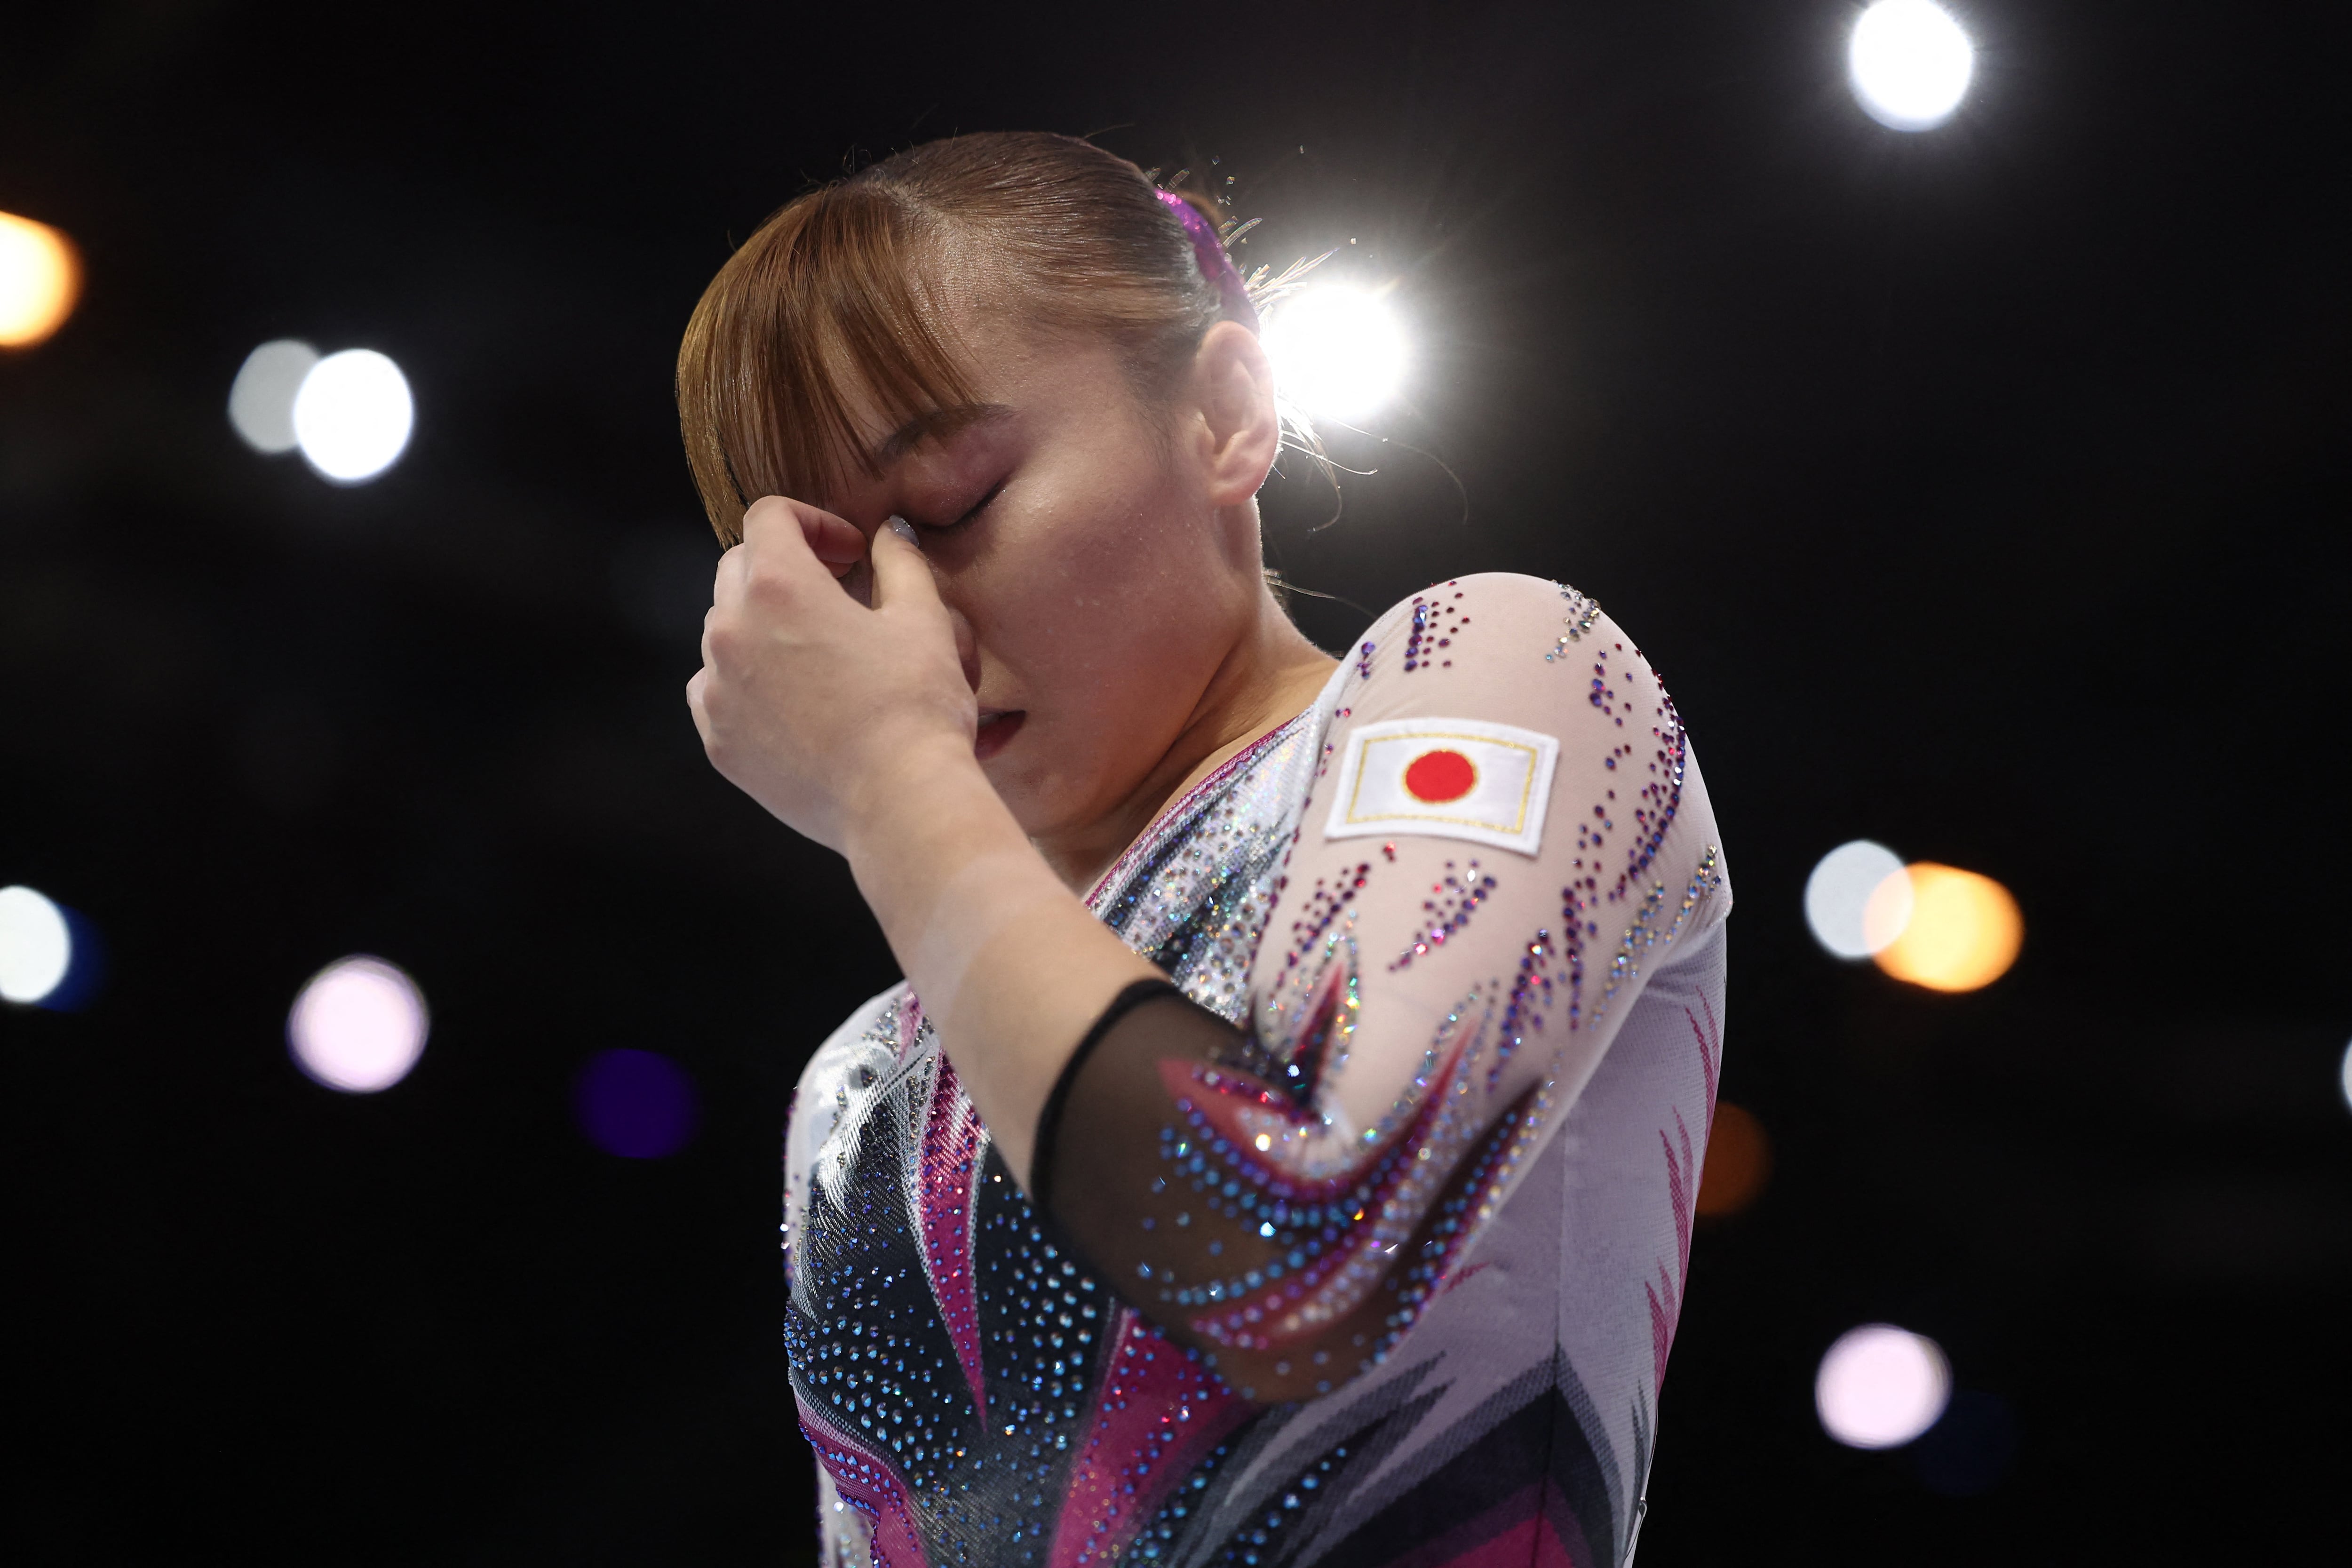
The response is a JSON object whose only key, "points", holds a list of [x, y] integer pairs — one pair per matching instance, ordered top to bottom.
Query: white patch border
{"points": [[1528, 841]]}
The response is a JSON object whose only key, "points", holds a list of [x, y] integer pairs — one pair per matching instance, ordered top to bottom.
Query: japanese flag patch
{"points": [[1446, 778]]}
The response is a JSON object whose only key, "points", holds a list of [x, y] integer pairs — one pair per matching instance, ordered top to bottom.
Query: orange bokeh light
{"points": [[40, 278], [1963, 932], [1738, 1159]]}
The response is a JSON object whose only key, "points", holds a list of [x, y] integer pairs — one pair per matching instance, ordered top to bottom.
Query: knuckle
{"points": [[769, 572], [723, 640]]}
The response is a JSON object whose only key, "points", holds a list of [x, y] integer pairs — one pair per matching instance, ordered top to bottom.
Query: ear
{"points": [[1233, 384]]}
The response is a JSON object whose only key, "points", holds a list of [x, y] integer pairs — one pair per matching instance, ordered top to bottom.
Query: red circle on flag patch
{"points": [[1437, 777]]}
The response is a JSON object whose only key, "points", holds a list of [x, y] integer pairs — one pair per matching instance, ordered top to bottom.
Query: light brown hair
{"points": [[842, 288]]}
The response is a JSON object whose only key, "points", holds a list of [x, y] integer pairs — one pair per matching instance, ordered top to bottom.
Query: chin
{"points": [[1038, 795]]}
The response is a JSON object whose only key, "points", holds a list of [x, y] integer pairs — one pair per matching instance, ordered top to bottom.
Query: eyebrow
{"points": [[938, 425]]}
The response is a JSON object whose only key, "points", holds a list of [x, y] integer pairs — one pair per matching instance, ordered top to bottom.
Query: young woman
{"points": [[1282, 1149]]}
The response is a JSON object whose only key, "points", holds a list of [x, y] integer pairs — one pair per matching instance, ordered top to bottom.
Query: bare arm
{"points": [[854, 725]]}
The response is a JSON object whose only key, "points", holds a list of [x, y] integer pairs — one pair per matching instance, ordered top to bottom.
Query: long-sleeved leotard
{"points": [[1493, 850], [1368, 1230]]}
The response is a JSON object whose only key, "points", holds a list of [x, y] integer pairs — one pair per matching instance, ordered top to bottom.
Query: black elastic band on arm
{"points": [[1049, 1120]]}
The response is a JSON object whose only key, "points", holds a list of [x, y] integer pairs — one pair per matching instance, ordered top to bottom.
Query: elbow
{"points": [[1297, 1341]]}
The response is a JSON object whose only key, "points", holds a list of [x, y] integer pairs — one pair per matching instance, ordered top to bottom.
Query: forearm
{"points": [[1010, 966]]}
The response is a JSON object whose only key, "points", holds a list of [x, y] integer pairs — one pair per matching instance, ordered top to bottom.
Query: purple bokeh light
{"points": [[636, 1104]]}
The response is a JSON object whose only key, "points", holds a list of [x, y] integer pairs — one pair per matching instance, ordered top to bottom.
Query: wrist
{"points": [[930, 794]]}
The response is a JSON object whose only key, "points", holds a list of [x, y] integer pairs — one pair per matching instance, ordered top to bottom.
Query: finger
{"points": [[833, 539], [779, 569], [901, 575], [727, 582], [694, 690]]}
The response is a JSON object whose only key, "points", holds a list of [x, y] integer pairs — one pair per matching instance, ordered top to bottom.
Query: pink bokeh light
{"points": [[359, 1025]]}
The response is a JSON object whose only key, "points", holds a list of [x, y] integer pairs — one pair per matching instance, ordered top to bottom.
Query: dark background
{"points": [[1977, 490]]}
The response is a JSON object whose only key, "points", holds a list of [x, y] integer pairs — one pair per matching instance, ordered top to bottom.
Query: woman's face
{"points": [[1097, 576]]}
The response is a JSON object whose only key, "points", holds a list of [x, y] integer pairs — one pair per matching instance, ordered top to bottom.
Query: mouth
{"points": [[996, 731]]}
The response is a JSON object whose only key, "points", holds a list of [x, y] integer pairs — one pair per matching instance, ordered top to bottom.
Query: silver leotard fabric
{"points": [[1526, 1039]]}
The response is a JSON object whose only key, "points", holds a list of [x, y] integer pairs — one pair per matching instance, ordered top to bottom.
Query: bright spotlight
{"points": [[1910, 63], [40, 277], [1338, 350], [261, 399], [352, 415], [1838, 898], [1963, 931], [35, 946], [359, 1025], [2346, 1072], [1880, 1386]]}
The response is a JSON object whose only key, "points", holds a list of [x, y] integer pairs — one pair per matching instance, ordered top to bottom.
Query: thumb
{"points": [[901, 575]]}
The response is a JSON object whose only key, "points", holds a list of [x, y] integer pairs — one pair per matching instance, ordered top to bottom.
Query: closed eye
{"points": [[970, 516]]}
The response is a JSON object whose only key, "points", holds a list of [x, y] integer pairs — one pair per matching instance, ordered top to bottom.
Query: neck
{"points": [[1270, 676]]}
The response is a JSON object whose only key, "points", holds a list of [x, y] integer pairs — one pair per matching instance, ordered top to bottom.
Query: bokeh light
{"points": [[1910, 64], [40, 278], [1338, 352], [261, 399], [352, 415], [1838, 898], [1962, 929], [37, 946], [359, 1025], [2345, 1076], [637, 1104], [1739, 1160], [1880, 1386]]}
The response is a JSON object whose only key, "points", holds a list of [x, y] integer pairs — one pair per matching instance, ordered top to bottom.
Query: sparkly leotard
{"points": [[1371, 1252]]}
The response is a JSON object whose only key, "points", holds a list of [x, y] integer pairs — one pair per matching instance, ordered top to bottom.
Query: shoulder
{"points": [[1498, 640], [1511, 711], [874, 1024], [867, 1040]]}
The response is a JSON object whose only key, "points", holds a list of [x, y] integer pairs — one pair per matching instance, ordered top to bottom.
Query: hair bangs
{"points": [[820, 319]]}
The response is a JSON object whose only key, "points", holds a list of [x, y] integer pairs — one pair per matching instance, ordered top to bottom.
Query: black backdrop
{"points": [[1976, 492]]}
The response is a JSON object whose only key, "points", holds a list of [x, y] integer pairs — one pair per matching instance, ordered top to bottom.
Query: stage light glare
{"points": [[1910, 64], [40, 278], [1338, 352], [261, 399], [352, 416], [1839, 899], [1962, 930], [35, 946], [359, 1025], [1880, 1386]]}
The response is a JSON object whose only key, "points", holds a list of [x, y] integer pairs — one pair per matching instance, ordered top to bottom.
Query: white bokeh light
{"points": [[1910, 63], [1338, 352], [261, 399], [352, 415], [1839, 904], [35, 946], [359, 1025], [2347, 1075], [1880, 1386]]}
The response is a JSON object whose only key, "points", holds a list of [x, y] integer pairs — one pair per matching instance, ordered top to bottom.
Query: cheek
{"points": [[1130, 571]]}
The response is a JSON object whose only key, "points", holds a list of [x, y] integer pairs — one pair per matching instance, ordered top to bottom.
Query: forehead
{"points": [[1007, 361], [937, 425]]}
